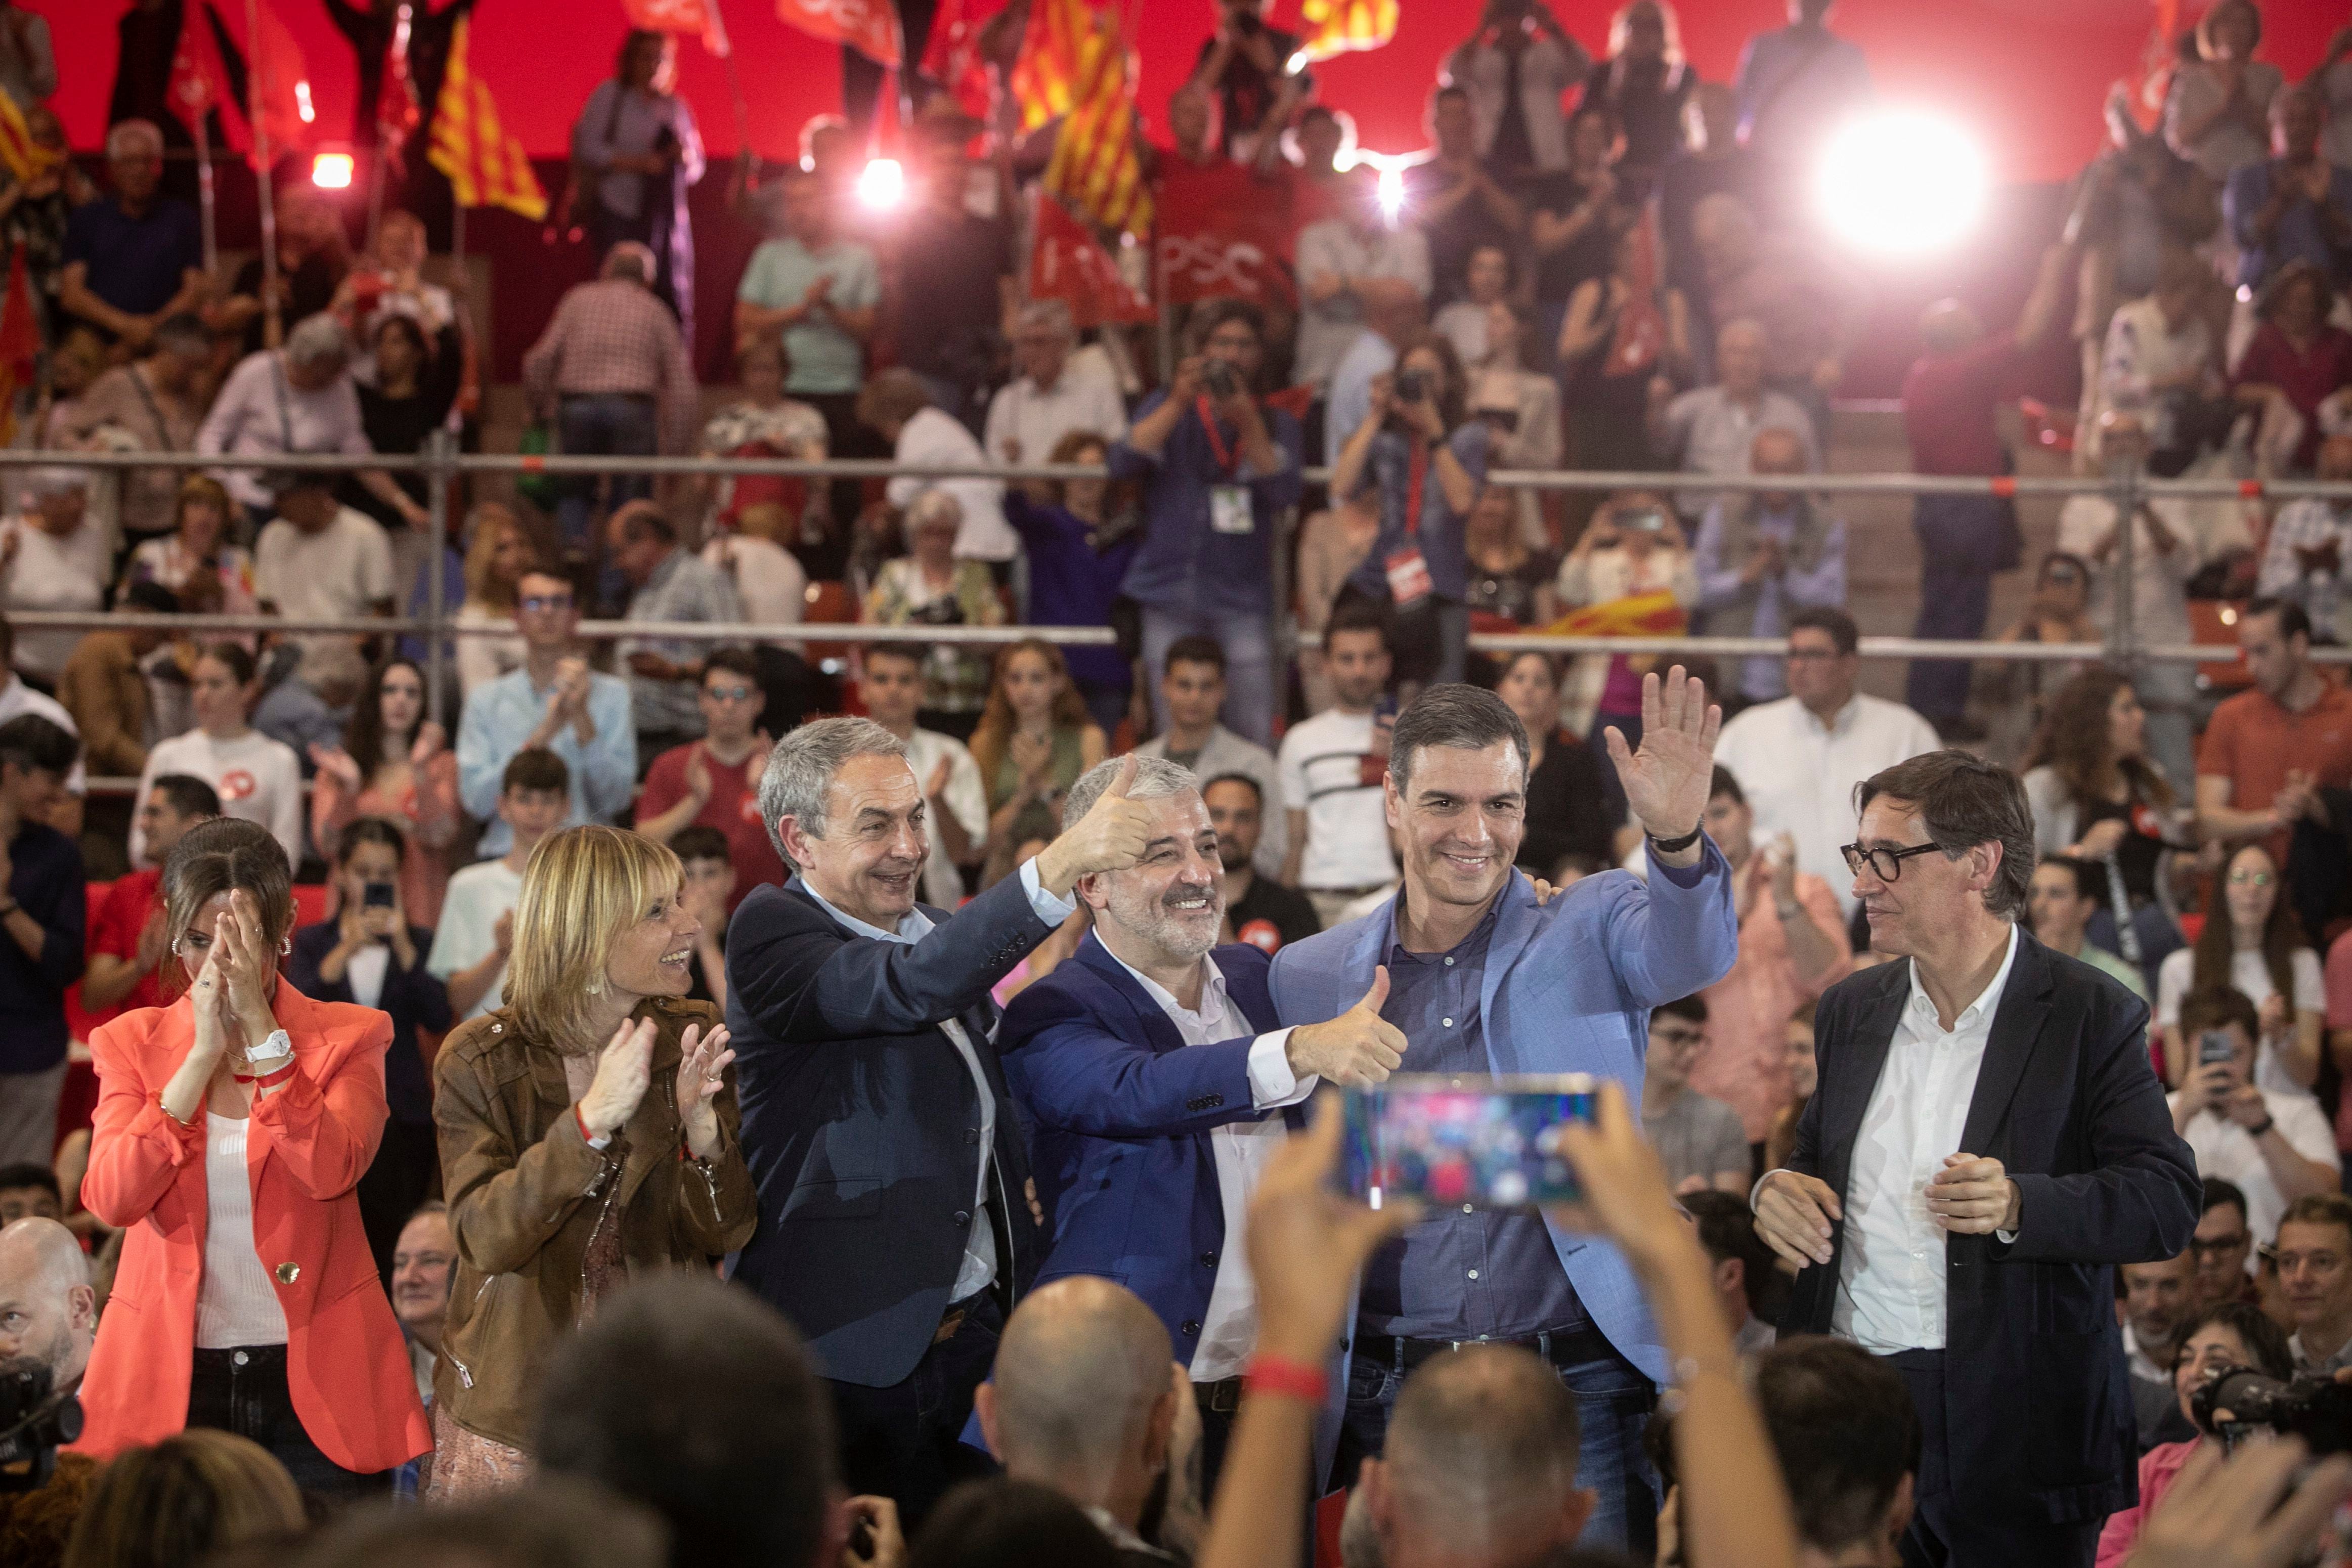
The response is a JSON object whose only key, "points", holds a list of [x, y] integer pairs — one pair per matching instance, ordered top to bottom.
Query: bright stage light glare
{"points": [[302, 105], [332, 171], [882, 182], [1904, 183], [1392, 193]]}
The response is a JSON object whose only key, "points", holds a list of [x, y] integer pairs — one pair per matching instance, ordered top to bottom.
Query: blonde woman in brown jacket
{"points": [[588, 1134]]}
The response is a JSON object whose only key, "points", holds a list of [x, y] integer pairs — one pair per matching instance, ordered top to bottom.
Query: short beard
{"points": [[1155, 923]]}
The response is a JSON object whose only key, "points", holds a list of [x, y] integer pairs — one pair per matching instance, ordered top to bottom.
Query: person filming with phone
{"points": [[2275, 1147]]}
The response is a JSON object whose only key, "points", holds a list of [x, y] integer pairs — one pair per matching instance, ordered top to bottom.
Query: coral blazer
{"points": [[347, 1367]]}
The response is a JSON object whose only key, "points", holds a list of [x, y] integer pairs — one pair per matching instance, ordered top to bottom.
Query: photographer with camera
{"points": [[1425, 461], [1217, 470], [2277, 1147]]}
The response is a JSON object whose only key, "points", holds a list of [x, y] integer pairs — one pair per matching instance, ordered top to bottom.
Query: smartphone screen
{"points": [[377, 896], [2215, 1045], [1468, 1139]]}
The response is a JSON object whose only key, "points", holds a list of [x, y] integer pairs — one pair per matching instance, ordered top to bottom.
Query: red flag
{"points": [[680, 16], [870, 26], [1335, 27], [951, 55], [198, 85], [281, 85], [397, 111], [486, 164], [1224, 233], [1069, 262]]}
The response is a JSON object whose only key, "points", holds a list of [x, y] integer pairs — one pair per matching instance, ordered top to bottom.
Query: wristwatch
{"points": [[1672, 846], [271, 1052]]}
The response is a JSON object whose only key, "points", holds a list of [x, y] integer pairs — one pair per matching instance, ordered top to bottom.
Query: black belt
{"points": [[1567, 1348], [1223, 1397]]}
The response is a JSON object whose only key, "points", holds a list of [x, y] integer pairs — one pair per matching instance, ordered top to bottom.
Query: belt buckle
{"points": [[1225, 1395]]}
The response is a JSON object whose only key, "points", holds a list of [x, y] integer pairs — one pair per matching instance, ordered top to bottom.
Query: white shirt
{"points": [[1336, 246], [1084, 396], [259, 412], [931, 437], [337, 573], [51, 574], [2160, 584], [771, 585], [18, 699], [1799, 774], [257, 778], [965, 796], [1346, 825], [478, 896], [365, 972], [2250, 975], [2226, 1149], [979, 1251], [1891, 1267], [234, 1303], [1229, 1328]]}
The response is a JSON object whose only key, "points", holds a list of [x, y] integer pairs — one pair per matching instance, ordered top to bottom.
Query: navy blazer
{"points": [[411, 998], [1121, 1109], [861, 1123], [2040, 1422]]}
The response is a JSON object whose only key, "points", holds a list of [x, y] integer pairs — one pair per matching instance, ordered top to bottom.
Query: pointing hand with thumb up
{"points": [[1111, 835], [1357, 1048]]}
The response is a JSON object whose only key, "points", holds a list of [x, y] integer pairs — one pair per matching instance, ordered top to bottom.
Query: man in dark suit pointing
{"points": [[1987, 1141]]}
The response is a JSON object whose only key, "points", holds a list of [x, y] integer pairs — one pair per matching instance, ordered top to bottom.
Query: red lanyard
{"points": [[1226, 458], [1416, 476]]}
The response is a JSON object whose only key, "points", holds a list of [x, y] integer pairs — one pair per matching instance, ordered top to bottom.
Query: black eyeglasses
{"points": [[1886, 865]]}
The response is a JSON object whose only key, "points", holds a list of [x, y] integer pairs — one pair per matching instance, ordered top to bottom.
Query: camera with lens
{"points": [[1220, 379], [1411, 386], [2317, 1409], [34, 1422]]}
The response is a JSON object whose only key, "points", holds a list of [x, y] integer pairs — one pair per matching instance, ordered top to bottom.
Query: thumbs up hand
{"points": [[1111, 836], [1357, 1048]]}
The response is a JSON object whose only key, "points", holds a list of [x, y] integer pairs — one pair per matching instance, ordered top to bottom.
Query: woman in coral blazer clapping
{"points": [[232, 1129]]}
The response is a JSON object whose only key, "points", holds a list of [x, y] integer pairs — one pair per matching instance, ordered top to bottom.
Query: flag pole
{"points": [[734, 77], [205, 198], [273, 327]]}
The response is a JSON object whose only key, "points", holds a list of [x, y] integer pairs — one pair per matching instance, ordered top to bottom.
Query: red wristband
{"points": [[266, 1080], [582, 1122], [1288, 1379]]}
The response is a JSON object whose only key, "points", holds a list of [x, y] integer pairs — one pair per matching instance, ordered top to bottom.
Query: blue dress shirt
{"points": [[1186, 566], [500, 717]]}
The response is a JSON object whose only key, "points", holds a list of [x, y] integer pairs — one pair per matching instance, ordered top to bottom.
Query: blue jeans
{"points": [[603, 424], [1959, 539], [1248, 643], [1614, 1401]]}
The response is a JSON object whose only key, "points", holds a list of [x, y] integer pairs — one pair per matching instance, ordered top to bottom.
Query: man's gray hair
{"points": [[133, 136], [631, 260], [1048, 315], [319, 340], [57, 481], [1469, 717], [800, 769], [1155, 778]]}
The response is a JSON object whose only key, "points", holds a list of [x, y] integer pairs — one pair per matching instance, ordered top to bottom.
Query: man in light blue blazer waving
{"points": [[1481, 979]]}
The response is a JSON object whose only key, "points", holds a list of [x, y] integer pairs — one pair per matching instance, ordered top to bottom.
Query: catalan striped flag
{"points": [[1337, 27], [1045, 76], [19, 153], [487, 166], [1096, 169]]}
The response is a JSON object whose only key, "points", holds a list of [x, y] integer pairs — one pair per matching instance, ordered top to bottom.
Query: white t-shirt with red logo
{"points": [[258, 779]]}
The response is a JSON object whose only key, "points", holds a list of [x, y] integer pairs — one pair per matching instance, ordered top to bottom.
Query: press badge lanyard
{"points": [[1229, 503], [1408, 573]]}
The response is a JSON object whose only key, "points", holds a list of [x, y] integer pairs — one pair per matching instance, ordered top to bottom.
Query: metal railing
{"points": [[2125, 485]]}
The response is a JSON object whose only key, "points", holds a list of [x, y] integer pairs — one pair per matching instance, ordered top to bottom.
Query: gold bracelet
{"points": [[177, 1119]]}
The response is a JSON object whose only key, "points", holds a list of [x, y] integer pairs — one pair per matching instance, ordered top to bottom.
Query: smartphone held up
{"points": [[1474, 1139]]}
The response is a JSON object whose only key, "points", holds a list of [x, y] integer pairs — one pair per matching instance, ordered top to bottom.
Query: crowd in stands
{"points": [[385, 1067]]}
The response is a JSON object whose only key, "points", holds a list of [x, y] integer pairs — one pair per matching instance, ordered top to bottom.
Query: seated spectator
{"points": [[1517, 65], [1254, 72], [1644, 84], [2217, 105], [2294, 205], [1460, 206], [1574, 218], [314, 255], [136, 258], [1341, 263], [1487, 281], [817, 294], [1812, 307], [2297, 360], [76, 363], [1611, 363], [2161, 367], [611, 373], [415, 386], [1054, 397], [298, 400], [152, 405], [895, 405], [1521, 408], [766, 423], [1714, 429], [1421, 450], [2310, 546], [1634, 548], [496, 551], [1079, 554], [1765, 555], [2165, 555], [54, 557], [756, 557], [320, 559], [195, 560], [1508, 583], [665, 584], [930, 586], [890, 686], [105, 690], [2019, 690], [1193, 692], [307, 698], [18, 699], [555, 700], [1033, 741], [1796, 759], [394, 764], [1332, 766], [258, 779], [715, 781], [2100, 799], [1567, 811], [41, 876], [2065, 894], [709, 895], [1259, 910], [475, 936], [127, 938], [2250, 943], [1792, 947], [370, 952], [594, 990], [1698, 1137], [2275, 1147], [29, 1190], [2224, 1246], [2315, 1246], [424, 1263], [1743, 1272], [2159, 1301], [2219, 1339], [1082, 1402], [626, 1403], [1846, 1433], [184, 1498]]}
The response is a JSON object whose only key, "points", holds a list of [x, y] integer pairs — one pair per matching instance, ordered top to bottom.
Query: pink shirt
{"points": [[1745, 1062], [2159, 1469]]}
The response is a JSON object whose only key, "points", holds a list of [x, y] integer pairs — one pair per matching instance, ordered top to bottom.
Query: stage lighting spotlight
{"points": [[332, 171], [882, 182], [1903, 182], [1392, 193]]}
